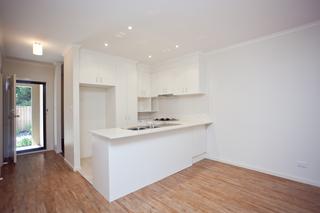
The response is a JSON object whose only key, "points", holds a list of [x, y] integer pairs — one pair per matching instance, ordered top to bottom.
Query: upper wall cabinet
{"points": [[95, 69], [100, 69], [181, 76], [144, 81], [162, 82], [126, 95]]}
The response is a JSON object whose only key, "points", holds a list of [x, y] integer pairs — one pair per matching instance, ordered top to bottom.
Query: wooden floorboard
{"points": [[44, 183]]}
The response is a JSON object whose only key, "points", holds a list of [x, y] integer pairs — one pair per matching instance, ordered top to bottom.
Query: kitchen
{"points": [[129, 95], [160, 106]]}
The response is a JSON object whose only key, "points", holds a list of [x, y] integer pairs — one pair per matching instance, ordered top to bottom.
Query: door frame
{"points": [[44, 109], [62, 110]]}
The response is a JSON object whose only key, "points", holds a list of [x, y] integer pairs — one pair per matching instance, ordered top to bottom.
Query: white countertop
{"points": [[116, 133]]}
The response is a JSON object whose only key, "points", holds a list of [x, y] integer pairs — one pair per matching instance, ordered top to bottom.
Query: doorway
{"points": [[31, 116]]}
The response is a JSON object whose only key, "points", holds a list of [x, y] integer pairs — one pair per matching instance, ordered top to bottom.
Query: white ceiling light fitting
{"points": [[130, 27], [106, 44], [177, 45], [37, 48], [149, 56]]}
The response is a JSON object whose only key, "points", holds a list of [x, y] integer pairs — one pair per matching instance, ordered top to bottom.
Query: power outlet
{"points": [[302, 164]]}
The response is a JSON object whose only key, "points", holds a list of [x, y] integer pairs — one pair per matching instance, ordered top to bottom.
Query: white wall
{"points": [[27, 70], [265, 103], [182, 106], [57, 107], [71, 107]]}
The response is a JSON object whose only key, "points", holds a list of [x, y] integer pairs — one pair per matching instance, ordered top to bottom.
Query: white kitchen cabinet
{"points": [[96, 68], [100, 69], [107, 73], [118, 76], [182, 76], [144, 81], [186, 82], [162, 83], [155, 84], [126, 95], [132, 115], [199, 142]]}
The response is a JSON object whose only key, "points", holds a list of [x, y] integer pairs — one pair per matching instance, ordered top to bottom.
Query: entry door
{"points": [[10, 143]]}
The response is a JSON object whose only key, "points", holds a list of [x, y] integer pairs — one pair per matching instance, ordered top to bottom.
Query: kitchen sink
{"points": [[137, 128]]}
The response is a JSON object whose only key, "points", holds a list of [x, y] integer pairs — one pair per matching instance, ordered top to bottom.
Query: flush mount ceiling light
{"points": [[130, 27], [106, 44], [177, 45], [37, 48], [149, 56]]}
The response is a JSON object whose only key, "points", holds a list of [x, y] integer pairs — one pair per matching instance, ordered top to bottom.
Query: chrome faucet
{"points": [[151, 124]]}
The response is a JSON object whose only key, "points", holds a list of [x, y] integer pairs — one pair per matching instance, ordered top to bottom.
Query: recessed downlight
{"points": [[130, 27], [106, 44], [177, 45], [149, 56]]}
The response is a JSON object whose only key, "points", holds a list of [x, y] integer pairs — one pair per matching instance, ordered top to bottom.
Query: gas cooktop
{"points": [[165, 119]]}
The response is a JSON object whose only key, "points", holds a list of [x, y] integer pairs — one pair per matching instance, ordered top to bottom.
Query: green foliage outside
{"points": [[23, 96], [24, 142]]}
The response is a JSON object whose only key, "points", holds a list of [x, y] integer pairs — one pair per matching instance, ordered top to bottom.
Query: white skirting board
{"points": [[200, 157], [69, 165], [277, 174]]}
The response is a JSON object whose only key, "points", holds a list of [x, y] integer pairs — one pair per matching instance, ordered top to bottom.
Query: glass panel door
{"points": [[30, 109]]}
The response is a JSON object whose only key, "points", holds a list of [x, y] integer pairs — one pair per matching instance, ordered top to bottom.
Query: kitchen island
{"points": [[127, 160]]}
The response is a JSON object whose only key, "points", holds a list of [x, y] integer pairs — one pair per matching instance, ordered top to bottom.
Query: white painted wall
{"points": [[27, 70], [265, 103], [182, 106], [57, 107], [71, 107]]}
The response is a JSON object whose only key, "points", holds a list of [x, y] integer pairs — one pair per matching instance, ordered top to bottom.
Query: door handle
{"points": [[14, 116]]}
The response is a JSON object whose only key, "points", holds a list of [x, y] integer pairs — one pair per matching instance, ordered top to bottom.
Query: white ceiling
{"points": [[158, 25]]}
